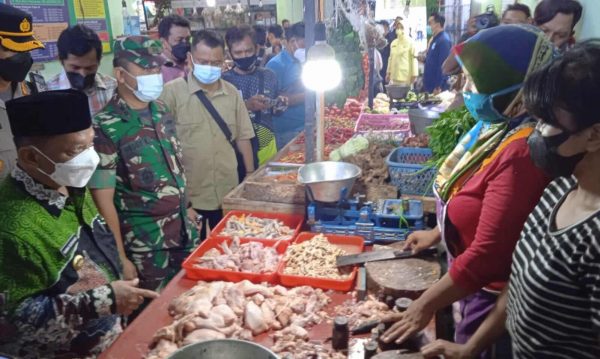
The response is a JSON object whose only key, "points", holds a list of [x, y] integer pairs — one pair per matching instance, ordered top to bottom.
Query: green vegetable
{"points": [[346, 44], [445, 133]]}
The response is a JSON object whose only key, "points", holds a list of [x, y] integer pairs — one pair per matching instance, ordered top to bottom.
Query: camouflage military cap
{"points": [[140, 50]]}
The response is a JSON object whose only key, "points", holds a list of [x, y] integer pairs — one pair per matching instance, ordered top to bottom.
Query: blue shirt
{"points": [[439, 49], [288, 71]]}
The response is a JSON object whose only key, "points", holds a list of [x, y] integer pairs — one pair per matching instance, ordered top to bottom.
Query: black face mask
{"points": [[180, 51], [245, 63], [16, 67], [79, 82], [544, 153]]}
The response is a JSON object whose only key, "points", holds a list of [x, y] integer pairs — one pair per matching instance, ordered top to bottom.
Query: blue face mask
{"points": [[429, 31], [207, 74], [481, 106]]}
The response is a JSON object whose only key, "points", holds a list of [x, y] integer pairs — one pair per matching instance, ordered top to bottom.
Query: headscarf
{"points": [[496, 59]]}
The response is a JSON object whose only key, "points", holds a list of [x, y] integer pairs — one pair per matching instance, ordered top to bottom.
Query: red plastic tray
{"points": [[293, 221], [351, 244], [199, 273]]}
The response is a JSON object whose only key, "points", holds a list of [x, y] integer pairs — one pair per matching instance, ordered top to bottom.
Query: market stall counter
{"points": [[295, 316], [135, 340]]}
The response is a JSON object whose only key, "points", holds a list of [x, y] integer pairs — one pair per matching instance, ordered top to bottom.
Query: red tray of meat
{"points": [[396, 125], [246, 225], [349, 244], [234, 260]]}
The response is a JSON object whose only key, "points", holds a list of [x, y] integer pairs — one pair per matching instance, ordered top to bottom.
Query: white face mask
{"points": [[300, 55], [149, 87], [77, 171]]}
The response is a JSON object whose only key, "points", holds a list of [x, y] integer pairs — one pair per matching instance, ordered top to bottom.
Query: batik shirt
{"points": [[140, 157], [57, 258]]}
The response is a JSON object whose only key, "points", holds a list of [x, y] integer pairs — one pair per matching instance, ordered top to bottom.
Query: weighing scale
{"points": [[388, 220]]}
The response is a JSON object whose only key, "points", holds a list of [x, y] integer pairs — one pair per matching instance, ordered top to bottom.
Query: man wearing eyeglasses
{"points": [[209, 156]]}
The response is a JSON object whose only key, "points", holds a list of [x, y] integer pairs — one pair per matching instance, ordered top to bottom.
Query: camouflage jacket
{"points": [[140, 156]]}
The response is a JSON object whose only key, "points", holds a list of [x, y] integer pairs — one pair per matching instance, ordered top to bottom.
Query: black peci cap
{"points": [[16, 30], [49, 113]]}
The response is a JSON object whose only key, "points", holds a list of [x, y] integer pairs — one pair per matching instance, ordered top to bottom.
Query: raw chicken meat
{"points": [[252, 257], [249, 289], [235, 299], [225, 310], [226, 313], [269, 315], [254, 320], [202, 335], [163, 349]]}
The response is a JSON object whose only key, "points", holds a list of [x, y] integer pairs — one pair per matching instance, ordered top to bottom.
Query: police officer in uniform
{"points": [[16, 40]]}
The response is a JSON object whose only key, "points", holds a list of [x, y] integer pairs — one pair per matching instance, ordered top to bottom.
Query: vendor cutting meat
{"points": [[487, 186], [59, 293]]}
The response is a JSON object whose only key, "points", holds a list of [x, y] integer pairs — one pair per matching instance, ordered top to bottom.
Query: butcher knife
{"points": [[380, 255]]}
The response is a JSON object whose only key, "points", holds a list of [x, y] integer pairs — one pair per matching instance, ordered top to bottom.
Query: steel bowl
{"points": [[397, 92], [421, 119], [328, 181], [224, 349]]}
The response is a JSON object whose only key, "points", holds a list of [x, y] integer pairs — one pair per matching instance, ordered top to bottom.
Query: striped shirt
{"points": [[554, 294]]}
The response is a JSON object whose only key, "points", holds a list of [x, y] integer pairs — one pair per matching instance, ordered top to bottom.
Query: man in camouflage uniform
{"points": [[139, 186]]}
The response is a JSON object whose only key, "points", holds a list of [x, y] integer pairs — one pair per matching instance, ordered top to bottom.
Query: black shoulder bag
{"points": [[241, 168]]}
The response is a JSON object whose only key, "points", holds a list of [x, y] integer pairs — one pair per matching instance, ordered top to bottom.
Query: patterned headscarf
{"points": [[495, 59]]}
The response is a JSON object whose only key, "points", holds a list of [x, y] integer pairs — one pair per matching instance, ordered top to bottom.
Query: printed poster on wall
{"points": [[93, 14], [51, 17]]}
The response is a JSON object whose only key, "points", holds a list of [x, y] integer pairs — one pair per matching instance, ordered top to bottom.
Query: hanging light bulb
{"points": [[211, 3], [260, 4], [322, 71]]}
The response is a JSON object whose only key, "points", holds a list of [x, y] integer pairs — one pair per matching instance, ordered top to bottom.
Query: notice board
{"points": [[51, 17]]}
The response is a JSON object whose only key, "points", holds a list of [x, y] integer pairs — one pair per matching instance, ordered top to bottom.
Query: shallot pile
{"points": [[254, 227], [251, 257], [314, 258], [219, 310]]}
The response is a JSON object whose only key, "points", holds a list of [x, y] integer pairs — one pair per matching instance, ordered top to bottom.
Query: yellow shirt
{"points": [[402, 65], [208, 158]]}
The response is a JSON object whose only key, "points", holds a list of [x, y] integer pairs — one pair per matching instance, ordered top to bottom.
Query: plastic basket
{"points": [[382, 125], [407, 172], [294, 221], [351, 244], [195, 272]]}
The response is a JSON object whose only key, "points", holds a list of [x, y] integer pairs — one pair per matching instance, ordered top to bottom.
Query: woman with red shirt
{"points": [[487, 186]]}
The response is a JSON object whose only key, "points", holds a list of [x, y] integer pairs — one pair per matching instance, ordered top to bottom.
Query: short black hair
{"points": [[518, 7], [548, 9], [439, 18], [284, 21], [384, 23], [165, 25], [276, 30], [295, 31], [237, 34], [260, 35], [209, 38], [78, 40], [120, 62], [571, 82]]}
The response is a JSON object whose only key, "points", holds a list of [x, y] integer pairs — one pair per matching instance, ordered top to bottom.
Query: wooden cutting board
{"points": [[404, 277]]}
